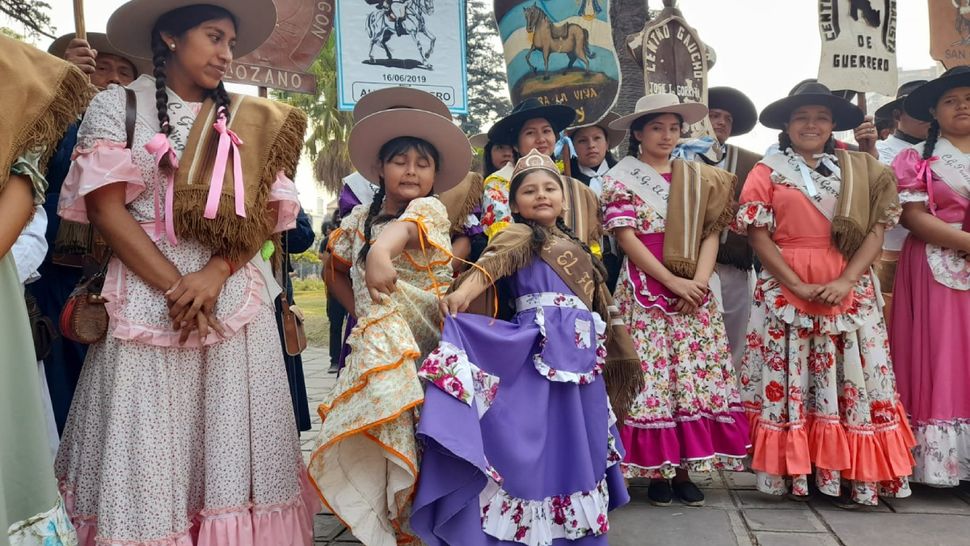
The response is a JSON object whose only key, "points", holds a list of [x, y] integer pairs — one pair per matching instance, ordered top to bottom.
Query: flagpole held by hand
{"points": [[79, 20]]}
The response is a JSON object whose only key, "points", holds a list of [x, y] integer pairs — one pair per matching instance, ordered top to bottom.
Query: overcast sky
{"points": [[763, 47]]}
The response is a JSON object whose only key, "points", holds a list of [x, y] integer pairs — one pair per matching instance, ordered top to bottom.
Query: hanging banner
{"points": [[302, 30], [950, 32], [402, 43], [858, 45], [560, 52], [674, 61]]}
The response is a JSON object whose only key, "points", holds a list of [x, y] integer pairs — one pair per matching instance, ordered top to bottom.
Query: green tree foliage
{"points": [[33, 15], [488, 97], [326, 144]]}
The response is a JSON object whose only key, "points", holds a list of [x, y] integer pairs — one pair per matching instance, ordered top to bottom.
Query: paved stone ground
{"points": [[735, 514]]}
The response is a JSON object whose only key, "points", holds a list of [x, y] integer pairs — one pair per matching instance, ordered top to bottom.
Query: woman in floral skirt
{"points": [[816, 377]]}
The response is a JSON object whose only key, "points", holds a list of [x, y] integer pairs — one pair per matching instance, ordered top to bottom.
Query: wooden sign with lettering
{"points": [[302, 30], [950, 32], [560, 52], [674, 61]]}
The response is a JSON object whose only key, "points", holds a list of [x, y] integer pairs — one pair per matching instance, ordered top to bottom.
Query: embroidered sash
{"points": [[952, 167], [644, 181], [826, 196], [573, 266]]}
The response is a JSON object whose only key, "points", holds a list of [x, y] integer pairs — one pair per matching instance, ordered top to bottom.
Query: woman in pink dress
{"points": [[931, 313], [816, 377]]}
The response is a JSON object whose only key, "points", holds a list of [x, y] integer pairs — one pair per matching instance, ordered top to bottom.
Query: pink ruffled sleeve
{"points": [[100, 157], [911, 171], [284, 198], [755, 202], [618, 208]]}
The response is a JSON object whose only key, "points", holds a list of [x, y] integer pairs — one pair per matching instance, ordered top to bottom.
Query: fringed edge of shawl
{"points": [[73, 94], [476, 188], [847, 234], [228, 235], [502, 262], [624, 382]]}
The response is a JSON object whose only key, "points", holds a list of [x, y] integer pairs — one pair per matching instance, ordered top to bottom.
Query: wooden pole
{"points": [[79, 20], [861, 102], [567, 167]]}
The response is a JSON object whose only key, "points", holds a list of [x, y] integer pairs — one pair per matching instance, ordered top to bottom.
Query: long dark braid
{"points": [[159, 57], [220, 97], [932, 135], [373, 213]]}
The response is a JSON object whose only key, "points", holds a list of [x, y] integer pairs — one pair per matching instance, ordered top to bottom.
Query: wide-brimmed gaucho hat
{"points": [[130, 26], [99, 42], [399, 97], [923, 99], [661, 103], [886, 110], [743, 112], [846, 115], [506, 130], [372, 132], [613, 136]]}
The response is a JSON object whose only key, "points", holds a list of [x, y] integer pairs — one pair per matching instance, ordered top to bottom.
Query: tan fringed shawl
{"points": [[41, 96], [272, 137], [868, 197], [461, 200], [698, 206], [512, 249], [734, 249]]}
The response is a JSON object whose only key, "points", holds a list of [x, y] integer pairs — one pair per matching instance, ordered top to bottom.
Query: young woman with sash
{"points": [[42, 96], [534, 126], [667, 216], [389, 264], [931, 313], [816, 379], [182, 430], [520, 442]]}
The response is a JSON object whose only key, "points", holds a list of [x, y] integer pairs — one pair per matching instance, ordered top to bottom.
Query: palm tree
{"points": [[326, 144]]}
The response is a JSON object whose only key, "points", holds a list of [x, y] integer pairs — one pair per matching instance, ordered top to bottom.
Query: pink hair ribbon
{"points": [[228, 141], [161, 147]]}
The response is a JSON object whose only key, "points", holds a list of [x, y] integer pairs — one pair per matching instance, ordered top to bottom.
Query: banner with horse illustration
{"points": [[401, 43], [560, 52]]}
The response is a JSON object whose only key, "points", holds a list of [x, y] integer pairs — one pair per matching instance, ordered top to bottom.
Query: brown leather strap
{"points": [[131, 108]]}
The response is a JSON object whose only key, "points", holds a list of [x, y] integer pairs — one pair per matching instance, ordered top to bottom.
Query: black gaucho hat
{"points": [[924, 98], [742, 109], [886, 110], [846, 115], [506, 130]]}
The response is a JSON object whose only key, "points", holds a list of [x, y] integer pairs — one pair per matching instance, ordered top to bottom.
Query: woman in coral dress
{"points": [[931, 314], [816, 378]]}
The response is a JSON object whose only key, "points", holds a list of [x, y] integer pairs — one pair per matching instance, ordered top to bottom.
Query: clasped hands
{"points": [[192, 300]]}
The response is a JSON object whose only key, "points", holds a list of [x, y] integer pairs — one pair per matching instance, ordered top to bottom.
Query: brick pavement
{"points": [[735, 514]]}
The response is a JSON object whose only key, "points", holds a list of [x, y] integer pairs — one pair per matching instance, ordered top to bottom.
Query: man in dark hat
{"points": [[105, 65], [732, 114], [534, 126]]}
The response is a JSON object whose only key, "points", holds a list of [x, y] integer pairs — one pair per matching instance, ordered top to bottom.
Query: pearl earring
{"points": [[171, 46]]}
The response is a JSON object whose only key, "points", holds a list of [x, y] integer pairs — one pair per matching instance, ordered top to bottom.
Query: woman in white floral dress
{"points": [[816, 377], [688, 418], [181, 432]]}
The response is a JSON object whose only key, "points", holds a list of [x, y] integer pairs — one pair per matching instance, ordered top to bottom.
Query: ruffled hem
{"points": [[106, 163], [284, 196], [753, 213], [620, 221], [863, 311], [120, 327], [698, 443], [942, 452], [871, 453], [539, 522], [285, 524], [51, 528]]}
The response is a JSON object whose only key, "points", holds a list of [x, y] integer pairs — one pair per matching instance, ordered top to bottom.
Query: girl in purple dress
{"points": [[520, 442]]}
